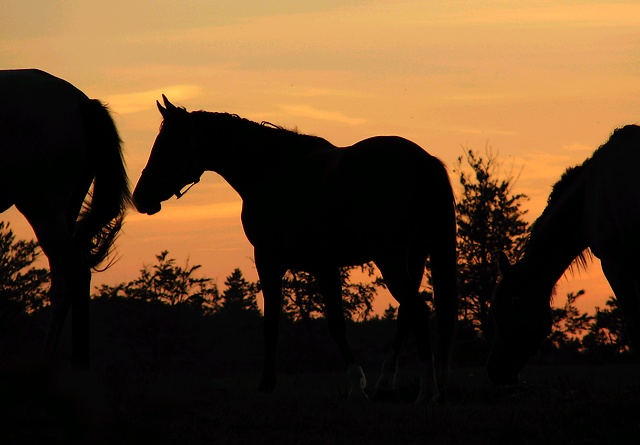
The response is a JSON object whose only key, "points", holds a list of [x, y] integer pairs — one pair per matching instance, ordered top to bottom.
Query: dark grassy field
{"points": [[166, 375], [131, 403]]}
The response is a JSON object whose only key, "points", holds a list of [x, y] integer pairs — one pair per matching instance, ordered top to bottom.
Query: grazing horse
{"points": [[55, 143], [311, 206], [594, 207]]}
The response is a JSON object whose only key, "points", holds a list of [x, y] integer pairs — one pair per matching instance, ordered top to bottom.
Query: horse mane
{"points": [[620, 136], [288, 142], [571, 173], [568, 178], [565, 182]]}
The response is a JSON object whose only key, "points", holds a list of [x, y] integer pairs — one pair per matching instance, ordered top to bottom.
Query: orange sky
{"points": [[543, 82]]}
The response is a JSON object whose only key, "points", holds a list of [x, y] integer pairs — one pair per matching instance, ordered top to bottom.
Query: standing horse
{"points": [[55, 143], [311, 206], [594, 206]]}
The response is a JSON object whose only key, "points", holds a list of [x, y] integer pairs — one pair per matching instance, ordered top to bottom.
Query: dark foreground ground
{"points": [[135, 404]]}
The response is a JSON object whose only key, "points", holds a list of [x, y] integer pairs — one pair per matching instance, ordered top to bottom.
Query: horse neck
{"points": [[253, 154], [557, 239]]}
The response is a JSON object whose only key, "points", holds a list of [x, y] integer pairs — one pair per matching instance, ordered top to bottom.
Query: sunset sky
{"points": [[543, 83]]}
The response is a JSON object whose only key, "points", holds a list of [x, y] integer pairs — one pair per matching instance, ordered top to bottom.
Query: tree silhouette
{"points": [[489, 221], [168, 283], [23, 287], [240, 294], [303, 300], [389, 313], [569, 326], [607, 333]]}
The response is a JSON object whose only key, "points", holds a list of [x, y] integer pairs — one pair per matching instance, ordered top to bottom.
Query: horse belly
{"points": [[338, 243]]}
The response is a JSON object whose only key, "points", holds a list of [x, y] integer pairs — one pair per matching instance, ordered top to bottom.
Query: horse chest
{"points": [[611, 214]]}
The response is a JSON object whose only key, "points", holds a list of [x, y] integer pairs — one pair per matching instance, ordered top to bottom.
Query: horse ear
{"points": [[171, 107], [168, 108], [163, 111], [504, 265]]}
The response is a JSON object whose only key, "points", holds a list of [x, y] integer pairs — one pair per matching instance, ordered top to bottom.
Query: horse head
{"points": [[172, 167], [522, 321]]}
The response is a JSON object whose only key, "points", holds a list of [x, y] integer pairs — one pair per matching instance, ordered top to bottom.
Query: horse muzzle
{"points": [[148, 208]]}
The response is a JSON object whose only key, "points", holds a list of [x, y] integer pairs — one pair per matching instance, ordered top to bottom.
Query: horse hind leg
{"points": [[70, 285], [330, 286], [413, 316], [386, 383]]}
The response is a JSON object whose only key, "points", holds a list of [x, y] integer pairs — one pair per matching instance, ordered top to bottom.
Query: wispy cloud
{"points": [[594, 14], [324, 92], [475, 97], [144, 100], [314, 113], [488, 132], [180, 213]]}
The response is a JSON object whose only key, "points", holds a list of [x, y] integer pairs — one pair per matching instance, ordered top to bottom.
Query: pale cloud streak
{"points": [[568, 15], [325, 92], [145, 100], [314, 113], [190, 213]]}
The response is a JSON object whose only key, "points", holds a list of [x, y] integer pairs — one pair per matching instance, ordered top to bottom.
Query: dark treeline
{"points": [[171, 317]]}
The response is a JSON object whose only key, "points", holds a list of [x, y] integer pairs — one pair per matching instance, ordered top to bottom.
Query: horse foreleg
{"points": [[622, 279], [271, 282], [331, 289]]}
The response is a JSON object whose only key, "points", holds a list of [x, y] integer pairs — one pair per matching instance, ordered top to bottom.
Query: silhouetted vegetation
{"points": [[489, 221], [167, 283], [23, 287], [240, 294], [23, 295], [303, 300], [578, 337]]}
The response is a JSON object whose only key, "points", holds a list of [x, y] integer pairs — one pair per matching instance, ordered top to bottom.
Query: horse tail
{"points": [[104, 207], [444, 265]]}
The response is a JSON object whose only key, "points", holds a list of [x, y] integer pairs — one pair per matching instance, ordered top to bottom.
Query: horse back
{"points": [[40, 121], [390, 175], [349, 202]]}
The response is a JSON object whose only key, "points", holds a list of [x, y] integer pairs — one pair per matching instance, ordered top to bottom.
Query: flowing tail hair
{"points": [[104, 207]]}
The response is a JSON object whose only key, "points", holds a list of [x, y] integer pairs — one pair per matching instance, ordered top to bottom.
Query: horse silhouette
{"points": [[61, 166], [311, 206], [594, 207]]}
